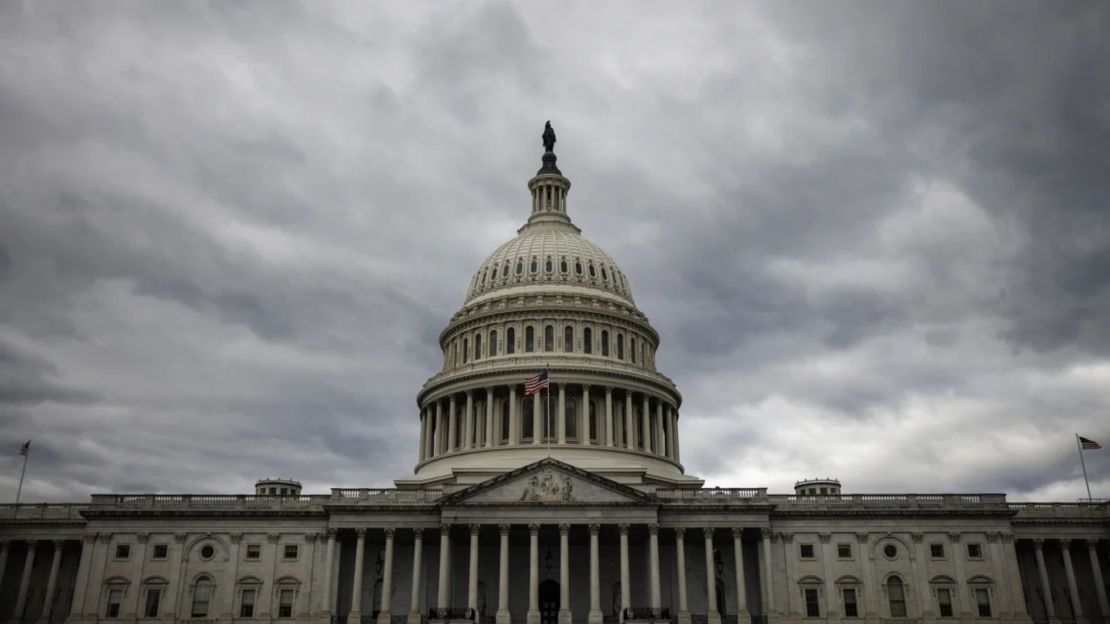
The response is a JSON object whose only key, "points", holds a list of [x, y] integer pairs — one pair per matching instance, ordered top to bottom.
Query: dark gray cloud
{"points": [[873, 237]]}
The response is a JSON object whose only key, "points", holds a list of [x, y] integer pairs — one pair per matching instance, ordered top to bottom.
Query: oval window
{"points": [[519, 267], [578, 267], [592, 272], [890, 550], [207, 551]]}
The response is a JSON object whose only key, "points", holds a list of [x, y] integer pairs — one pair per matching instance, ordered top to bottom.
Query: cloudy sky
{"points": [[875, 237]]}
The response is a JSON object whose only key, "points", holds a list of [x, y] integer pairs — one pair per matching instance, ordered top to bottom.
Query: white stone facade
{"points": [[561, 507]]}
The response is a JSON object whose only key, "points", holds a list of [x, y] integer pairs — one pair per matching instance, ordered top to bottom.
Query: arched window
{"points": [[563, 264], [547, 265], [520, 266], [577, 266], [534, 267], [590, 267], [505, 271], [493, 273], [604, 274], [482, 281], [549, 338], [529, 339], [568, 339], [587, 340], [510, 341], [493, 343], [605, 343], [477, 346], [620, 346], [465, 349], [631, 349], [570, 418], [504, 420], [527, 430], [897, 595], [202, 597]]}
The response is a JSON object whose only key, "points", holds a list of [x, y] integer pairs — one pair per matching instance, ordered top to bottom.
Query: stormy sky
{"points": [[874, 236]]}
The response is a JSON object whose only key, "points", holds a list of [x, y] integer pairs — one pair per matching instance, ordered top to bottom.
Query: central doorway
{"points": [[549, 602]]}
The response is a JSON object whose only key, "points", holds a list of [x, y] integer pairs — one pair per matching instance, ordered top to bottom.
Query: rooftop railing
{"points": [[712, 495], [827, 501], [42, 511], [1032, 511]]}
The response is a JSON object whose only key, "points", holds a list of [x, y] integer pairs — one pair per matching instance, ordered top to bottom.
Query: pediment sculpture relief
{"points": [[549, 488]]}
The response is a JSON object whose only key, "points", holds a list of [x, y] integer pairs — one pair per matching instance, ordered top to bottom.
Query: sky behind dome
{"points": [[874, 236]]}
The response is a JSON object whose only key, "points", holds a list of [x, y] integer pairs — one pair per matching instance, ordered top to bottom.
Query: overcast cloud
{"points": [[874, 236]]}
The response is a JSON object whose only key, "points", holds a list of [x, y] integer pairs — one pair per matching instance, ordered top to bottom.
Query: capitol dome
{"points": [[549, 301]]}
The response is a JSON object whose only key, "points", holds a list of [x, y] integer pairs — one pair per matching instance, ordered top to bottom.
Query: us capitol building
{"points": [[584, 516]]}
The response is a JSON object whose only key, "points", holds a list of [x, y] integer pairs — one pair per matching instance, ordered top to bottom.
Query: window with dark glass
{"points": [[563, 264], [547, 265], [578, 266], [520, 267], [534, 267], [590, 268], [505, 270], [493, 273], [604, 274], [549, 338], [529, 339], [568, 339], [587, 340], [510, 341], [493, 343], [605, 343], [478, 346], [620, 346], [465, 349], [632, 350], [570, 418], [504, 419], [527, 428], [890, 550], [123, 551], [160, 551], [254, 551], [290, 551], [805, 551], [844, 551], [936, 551], [974, 551], [896, 593], [202, 596], [115, 599], [983, 601], [153, 602], [246, 602], [944, 602], [285, 603], [813, 606], [851, 607]]}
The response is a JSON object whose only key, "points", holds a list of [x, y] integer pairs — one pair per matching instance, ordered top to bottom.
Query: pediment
{"points": [[548, 481]]}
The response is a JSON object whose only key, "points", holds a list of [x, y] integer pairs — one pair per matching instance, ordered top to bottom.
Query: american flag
{"points": [[535, 384], [1088, 445], [25, 449]]}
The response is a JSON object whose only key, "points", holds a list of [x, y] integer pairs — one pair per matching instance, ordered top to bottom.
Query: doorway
{"points": [[549, 602]]}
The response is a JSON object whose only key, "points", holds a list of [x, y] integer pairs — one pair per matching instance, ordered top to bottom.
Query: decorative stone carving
{"points": [[548, 488], [504, 528], [595, 529], [737, 532], [180, 537], [235, 537], [274, 537], [824, 537], [917, 537], [954, 537], [861, 538]]}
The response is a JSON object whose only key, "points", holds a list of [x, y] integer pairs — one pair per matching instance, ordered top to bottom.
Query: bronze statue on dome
{"points": [[548, 137]]}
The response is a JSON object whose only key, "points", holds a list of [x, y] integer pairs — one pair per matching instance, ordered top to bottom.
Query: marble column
{"points": [[560, 416], [608, 416], [537, 417], [468, 421], [452, 425], [514, 425], [645, 425], [629, 426], [584, 428], [491, 431], [669, 431], [423, 432], [660, 438], [440, 439], [677, 439], [680, 562], [998, 563], [177, 573], [564, 574], [417, 575], [472, 577], [1013, 577], [52, 580], [25, 581], [765, 583], [444, 586], [741, 588], [1100, 588], [923, 589], [1073, 589], [626, 591], [228, 597], [870, 598], [654, 599], [831, 603], [1049, 604], [324, 605], [964, 606], [355, 616], [385, 616], [503, 616], [533, 616], [595, 616], [713, 616]]}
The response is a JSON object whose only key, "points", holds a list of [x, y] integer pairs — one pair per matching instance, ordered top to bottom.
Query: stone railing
{"points": [[539, 359], [713, 495], [383, 496], [237, 501], [871, 501], [42, 511], [1034, 511]]}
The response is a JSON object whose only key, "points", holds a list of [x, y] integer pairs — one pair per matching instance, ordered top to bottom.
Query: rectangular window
{"points": [[123, 551], [160, 551], [254, 551], [290, 551], [805, 551], [844, 551], [936, 551], [974, 551], [115, 598], [983, 599], [153, 600], [944, 602], [246, 603], [285, 603], [813, 608], [851, 608]]}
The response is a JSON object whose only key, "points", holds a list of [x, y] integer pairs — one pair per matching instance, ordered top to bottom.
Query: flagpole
{"points": [[1079, 448], [23, 472]]}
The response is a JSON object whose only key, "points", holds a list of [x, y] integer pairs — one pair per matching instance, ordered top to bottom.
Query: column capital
{"points": [[561, 384], [586, 387], [608, 390], [469, 393], [445, 528], [475, 528], [504, 528], [596, 528], [623, 528], [533, 529], [564, 529], [653, 529], [359, 532], [389, 532], [418, 532], [708, 532], [737, 532], [331, 533], [680, 533], [765, 533], [954, 536], [994, 536], [101, 537], [144, 537], [180, 537], [234, 537], [274, 537], [824, 537], [917, 537], [88, 538], [309, 538], [786, 538], [861, 538], [1007, 538], [1064, 542], [59, 543], [1038, 543], [1092, 543]]}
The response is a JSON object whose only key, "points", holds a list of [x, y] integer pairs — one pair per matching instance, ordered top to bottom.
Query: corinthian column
{"points": [[468, 425], [645, 425], [629, 426], [584, 428], [490, 431], [680, 559], [653, 565], [417, 574], [533, 574], [564, 574], [25, 580], [52, 580], [472, 580], [741, 588], [1073, 589], [442, 595], [626, 601], [1049, 605], [713, 615], [355, 616], [385, 616], [503, 616], [595, 616]]}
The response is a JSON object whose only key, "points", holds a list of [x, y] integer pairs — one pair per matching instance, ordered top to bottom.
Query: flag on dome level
{"points": [[535, 384], [1088, 445], [25, 448]]}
